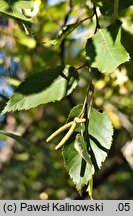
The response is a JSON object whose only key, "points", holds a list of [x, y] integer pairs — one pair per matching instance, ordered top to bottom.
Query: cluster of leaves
{"points": [[104, 53]]}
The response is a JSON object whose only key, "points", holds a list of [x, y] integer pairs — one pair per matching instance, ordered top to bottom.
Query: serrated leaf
{"points": [[14, 10], [105, 53], [44, 87], [100, 131], [26, 144], [94, 151]]}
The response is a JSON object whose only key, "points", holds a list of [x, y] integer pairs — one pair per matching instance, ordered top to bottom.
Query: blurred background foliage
{"points": [[25, 48]]}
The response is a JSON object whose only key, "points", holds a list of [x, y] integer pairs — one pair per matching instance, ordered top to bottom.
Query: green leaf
{"points": [[14, 10], [25, 40], [105, 52], [44, 87], [100, 135], [26, 144], [94, 151], [73, 160]]}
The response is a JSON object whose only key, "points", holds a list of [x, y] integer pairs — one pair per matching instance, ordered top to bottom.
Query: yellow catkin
{"points": [[59, 131], [66, 137]]}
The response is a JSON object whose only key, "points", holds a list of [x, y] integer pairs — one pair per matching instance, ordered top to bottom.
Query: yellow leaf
{"points": [[115, 119]]}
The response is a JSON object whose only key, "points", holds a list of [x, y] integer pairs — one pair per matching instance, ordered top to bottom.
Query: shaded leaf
{"points": [[105, 53], [44, 87]]}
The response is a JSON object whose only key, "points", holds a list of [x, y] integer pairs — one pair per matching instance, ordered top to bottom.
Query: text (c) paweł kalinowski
{"points": [[56, 206]]}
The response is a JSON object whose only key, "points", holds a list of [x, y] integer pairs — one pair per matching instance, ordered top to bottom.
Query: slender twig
{"points": [[69, 9], [116, 9], [83, 20], [97, 21], [62, 45], [62, 52], [82, 66], [89, 90], [4, 98], [85, 103], [86, 108]]}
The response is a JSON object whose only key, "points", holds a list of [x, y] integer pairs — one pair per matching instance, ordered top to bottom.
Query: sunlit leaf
{"points": [[105, 52], [100, 135]]}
